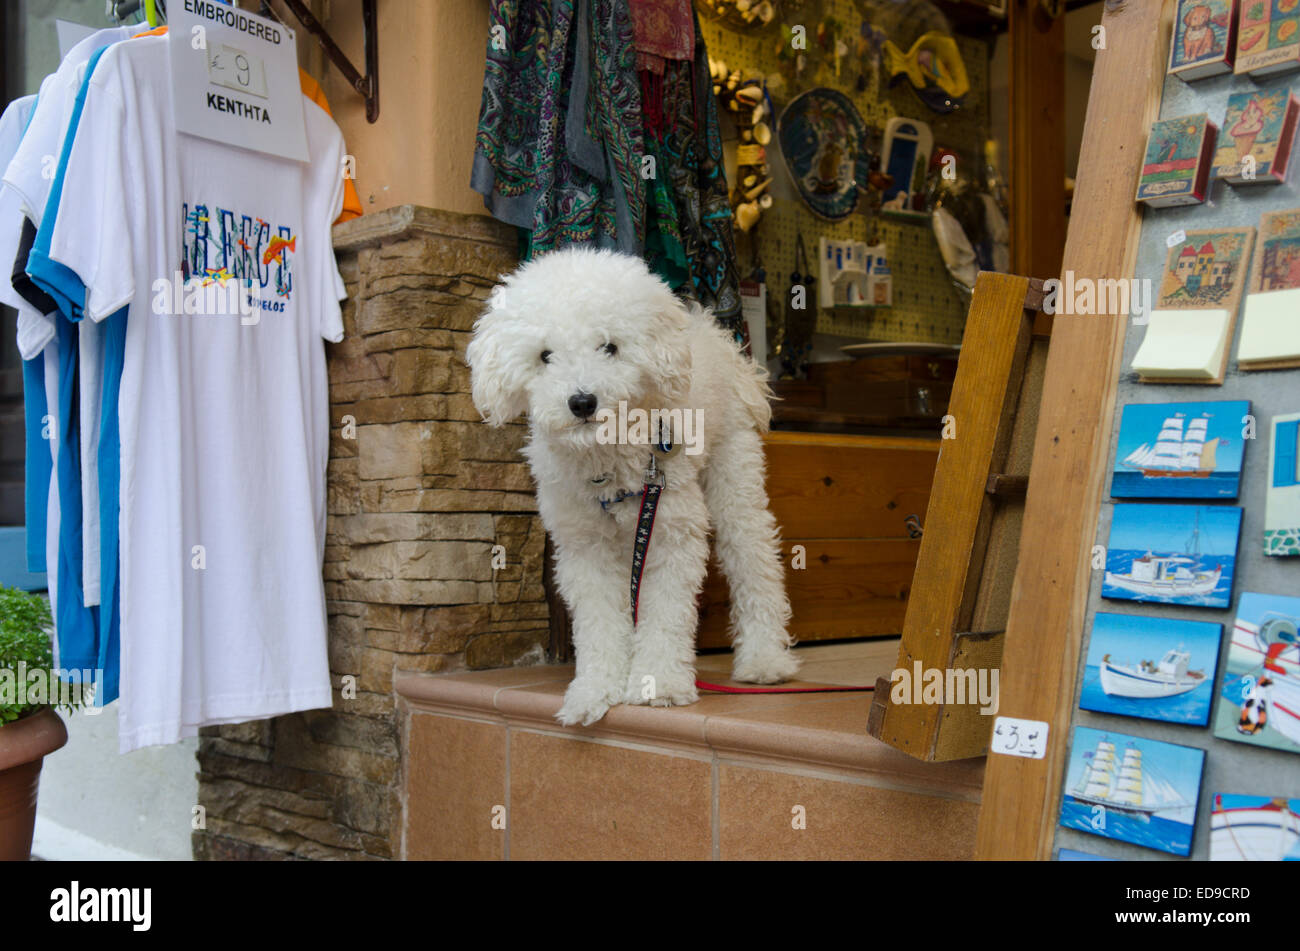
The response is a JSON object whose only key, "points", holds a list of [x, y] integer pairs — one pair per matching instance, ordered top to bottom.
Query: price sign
{"points": [[235, 78], [1016, 737]]}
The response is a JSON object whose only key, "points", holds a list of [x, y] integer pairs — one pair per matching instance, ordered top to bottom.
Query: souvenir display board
{"points": [[925, 305], [1182, 537]]}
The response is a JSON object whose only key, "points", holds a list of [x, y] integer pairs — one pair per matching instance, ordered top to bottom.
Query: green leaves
{"points": [[25, 639]]}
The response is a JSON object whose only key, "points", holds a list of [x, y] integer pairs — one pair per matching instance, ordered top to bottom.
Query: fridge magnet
{"points": [[1268, 37], [1205, 38], [1258, 133], [906, 156], [1176, 167], [1192, 323], [1270, 329], [1180, 450], [1282, 501], [1172, 554], [1155, 668], [1259, 697], [1132, 789], [1254, 828], [1075, 855]]}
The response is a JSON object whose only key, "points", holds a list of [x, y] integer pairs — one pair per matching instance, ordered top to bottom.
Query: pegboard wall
{"points": [[926, 306]]}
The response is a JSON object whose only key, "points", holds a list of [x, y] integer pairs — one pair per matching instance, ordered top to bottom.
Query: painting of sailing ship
{"points": [[1180, 450], [1172, 554], [1155, 668], [1260, 690], [1132, 789], [1254, 829]]}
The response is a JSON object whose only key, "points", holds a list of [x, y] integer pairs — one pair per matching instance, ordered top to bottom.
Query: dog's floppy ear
{"points": [[670, 348], [496, 378]]}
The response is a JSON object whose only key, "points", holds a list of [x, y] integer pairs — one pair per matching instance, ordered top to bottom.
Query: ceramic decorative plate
{"points": [[827, 149]]}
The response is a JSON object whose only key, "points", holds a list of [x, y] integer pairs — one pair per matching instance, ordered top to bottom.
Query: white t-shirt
{"points": [[28, 178], [224, 426]]}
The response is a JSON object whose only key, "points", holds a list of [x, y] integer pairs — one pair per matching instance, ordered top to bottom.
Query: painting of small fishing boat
{"points": [[1180, 450], [1172, 554], [1154, 668], [1260, 692], [1132, 789], [1254, 829]]}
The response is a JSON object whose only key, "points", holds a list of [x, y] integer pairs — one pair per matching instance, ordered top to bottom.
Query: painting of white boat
{"points": [[1180, 450], [1172, 554], [1167, 576], [1155, 668], [1166, 678], [1262, 684], [1254, 829]]}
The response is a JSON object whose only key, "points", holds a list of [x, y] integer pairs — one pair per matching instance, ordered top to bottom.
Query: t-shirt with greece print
{"points": [[223, 416]]}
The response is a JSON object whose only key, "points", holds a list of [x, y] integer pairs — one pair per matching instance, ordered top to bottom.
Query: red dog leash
{"points": [[645, 523]]}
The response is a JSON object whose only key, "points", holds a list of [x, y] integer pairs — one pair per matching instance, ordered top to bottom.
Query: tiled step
{"points": [[491, 774]]}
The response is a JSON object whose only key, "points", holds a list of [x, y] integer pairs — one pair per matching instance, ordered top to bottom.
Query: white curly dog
{"points": [[580, 340]]}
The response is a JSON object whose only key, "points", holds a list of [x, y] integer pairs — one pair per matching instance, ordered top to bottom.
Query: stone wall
{"points": [[419, 493]]}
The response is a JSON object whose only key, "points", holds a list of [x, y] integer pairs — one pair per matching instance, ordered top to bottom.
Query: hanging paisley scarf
{"points": [[558, 146], [690, 159]]}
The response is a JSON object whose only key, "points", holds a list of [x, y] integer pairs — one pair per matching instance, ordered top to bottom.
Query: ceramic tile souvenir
{"points": [[1205, 34], [1268, 36], [1258, 133], [905, 158], [1176, 167], [1200, 289], [1270, 323], [1180, 450], [1282, 502], [1172, 554], [1154, 668], [1259, 694], [1132, 789], [1254, 828], [1075, 855]]}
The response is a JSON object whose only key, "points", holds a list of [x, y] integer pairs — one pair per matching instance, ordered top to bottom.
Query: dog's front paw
{"points": [[765, 667], [673, 690], [586, 702]]}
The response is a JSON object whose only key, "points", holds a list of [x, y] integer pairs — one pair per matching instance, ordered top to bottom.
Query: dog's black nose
{"points": [[582, 405]]}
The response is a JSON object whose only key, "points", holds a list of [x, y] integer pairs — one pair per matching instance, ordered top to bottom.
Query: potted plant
{"points": [[29, 727]]}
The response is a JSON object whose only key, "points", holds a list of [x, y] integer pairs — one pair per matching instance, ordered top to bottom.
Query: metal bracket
{"points": [[367, 85]]}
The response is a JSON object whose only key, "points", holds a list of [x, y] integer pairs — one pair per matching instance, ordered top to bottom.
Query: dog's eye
{"points": [[610, 348], [546, 356]]}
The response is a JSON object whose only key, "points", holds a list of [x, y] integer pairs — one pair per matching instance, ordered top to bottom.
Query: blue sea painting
{"points": [[1180, 450], [1172, 554], [1155, 668], [1260, 690], [1132, 789], [1075, 855]]}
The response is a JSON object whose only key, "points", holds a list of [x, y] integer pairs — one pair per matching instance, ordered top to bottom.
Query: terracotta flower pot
{"points": [[24, 744]]}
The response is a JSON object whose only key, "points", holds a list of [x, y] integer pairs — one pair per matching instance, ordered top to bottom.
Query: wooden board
{"points": [[845, 489], [960, 517], [849, 588], [1040, 653]]}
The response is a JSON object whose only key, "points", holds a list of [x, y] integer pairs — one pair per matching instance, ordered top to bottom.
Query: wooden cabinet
{"points": [[846, 500]]}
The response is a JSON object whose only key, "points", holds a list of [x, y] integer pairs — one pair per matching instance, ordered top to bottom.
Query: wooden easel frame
{"points": [[957, 609], [1044, 631]]}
